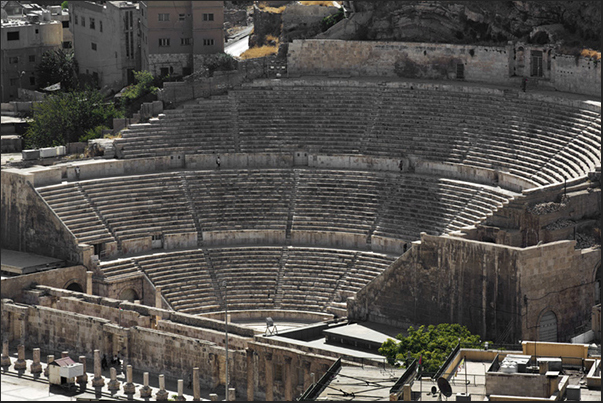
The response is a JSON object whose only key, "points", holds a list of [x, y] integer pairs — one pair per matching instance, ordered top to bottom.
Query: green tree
{"points": [[65, 5], [58, 66], [65, 117], [432, 345]]}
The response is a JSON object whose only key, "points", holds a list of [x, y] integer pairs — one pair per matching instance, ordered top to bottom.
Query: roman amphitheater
{"points": [[343, 194]]}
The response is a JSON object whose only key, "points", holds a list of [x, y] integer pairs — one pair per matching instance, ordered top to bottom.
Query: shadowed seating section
{"points": [[538, 140], [138, 206], [289, 278]]}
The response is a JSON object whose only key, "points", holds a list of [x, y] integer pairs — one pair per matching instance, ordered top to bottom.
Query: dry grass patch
{"points": [[275, 10], [261, 51], [591, 53]]}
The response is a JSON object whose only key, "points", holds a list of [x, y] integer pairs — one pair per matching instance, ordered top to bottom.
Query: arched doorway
{"points": [[75, 287], [129, 294], [547, 329]]}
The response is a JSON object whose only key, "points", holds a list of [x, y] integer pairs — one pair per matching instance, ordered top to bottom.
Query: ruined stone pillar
{"points": [[89, 282], [158, 303], [23, 328], [64, 354], [49, 359], [6, 362], [20, 364], [36, 366], [214, 370], [250, 375], [269, 377], [307, 377], [83, 378], [287, 380], [98, 381], [113, 383], [196, 385], [129, 387], [145, 390], [161, 394], [232, 394], [180, 397], [213, 397]]}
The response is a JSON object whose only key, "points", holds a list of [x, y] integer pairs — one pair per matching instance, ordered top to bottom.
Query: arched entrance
{"points": [[75, 287], [129, 294], [547, 329]]}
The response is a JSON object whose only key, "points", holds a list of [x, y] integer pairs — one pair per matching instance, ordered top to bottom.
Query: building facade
{"points": [[177, 35], [106, 40], [24, 41]]}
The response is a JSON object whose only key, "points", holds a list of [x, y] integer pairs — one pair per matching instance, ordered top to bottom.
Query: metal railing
{"points": [[317, 388]]}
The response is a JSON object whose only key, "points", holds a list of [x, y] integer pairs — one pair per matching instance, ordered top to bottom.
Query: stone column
{"points": [[89, 282], [158, 303], [22, 327], [64, 354], [49, 359], [6, 362], [20, 364], [36, 366], [250, 375], [269, 377], [307, 377], [83, 378], [287, 380], [98, 381], [113, 383], [196, 385], [129, 387], [145, 390], [161, 394], [232, 395], [180, 396], [213, 397]]}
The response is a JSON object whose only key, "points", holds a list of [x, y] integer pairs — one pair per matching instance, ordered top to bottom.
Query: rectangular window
{"points": [[163, 16], [181, 17], [208, 17], [75, 20], [83, 21], [92, 23], [65, 24], [100, 25], [12, 36], [186, 41], [164, 42], [208, 42], [67, 45], [93, 45], [127, 46], [32, 58], [13, 60], [32, 81]]}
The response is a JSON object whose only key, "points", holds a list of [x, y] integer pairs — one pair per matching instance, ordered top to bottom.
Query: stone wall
{"points": [[492, 64], [27, 219], [60, 278], [482, 286]]}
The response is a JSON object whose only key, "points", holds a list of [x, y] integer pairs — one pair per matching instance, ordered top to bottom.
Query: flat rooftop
{"points": [[25, 263]]}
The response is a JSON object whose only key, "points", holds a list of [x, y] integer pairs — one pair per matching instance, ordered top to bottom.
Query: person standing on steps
{"points": [[524, 84], [218, 162]]}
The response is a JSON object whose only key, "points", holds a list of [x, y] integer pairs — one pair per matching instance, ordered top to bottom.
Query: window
{"points": [[75, 16], [163, 16], [181, 17], [208, 17], [83, 21], [92, 23], [65, 24], [100, 25], [12, 36], [186, 41], [164, 42], [208, 42], [67, 45], [93, 45], [32, 58], [13, 60], [164, 71], [460, 71], [32, 81]]}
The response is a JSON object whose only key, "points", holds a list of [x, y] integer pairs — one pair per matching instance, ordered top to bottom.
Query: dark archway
{"points": [[75, 287], [129, 294], [547, 327]]}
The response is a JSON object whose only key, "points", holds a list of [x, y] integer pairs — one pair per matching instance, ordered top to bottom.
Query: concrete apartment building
{"points": [[176, 35], [25, 38], [107, 40]]}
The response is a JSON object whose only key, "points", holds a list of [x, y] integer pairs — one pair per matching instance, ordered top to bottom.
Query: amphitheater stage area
{"points": [[26, 263]]}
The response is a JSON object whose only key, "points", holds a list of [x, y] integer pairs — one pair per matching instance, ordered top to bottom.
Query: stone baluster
{"points": [[49, 359], [20, 364], [36, 366], [83, 378], [98, 381], [113, 383], [196, 385], [129, 387], [145, 390], [161, 394]]}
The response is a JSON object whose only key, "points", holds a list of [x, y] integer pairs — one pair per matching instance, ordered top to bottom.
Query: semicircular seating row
{"points": [[542, 142], [363, 203], [286, 278]]}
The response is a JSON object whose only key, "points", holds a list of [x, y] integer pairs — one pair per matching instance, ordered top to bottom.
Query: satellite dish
{"points": [[444, 387]]}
